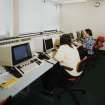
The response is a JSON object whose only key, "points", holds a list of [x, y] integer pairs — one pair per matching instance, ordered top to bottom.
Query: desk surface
{"points": [[26, 80]]}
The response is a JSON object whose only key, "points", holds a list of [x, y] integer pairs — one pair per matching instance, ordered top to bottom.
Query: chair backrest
{"points": [[99, 42]]}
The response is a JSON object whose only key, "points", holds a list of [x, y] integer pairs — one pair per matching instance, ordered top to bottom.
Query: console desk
{"points": [[26, 80]]}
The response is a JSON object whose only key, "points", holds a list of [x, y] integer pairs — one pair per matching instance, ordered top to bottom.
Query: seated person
{"points": [[88, 42], [87, 50], [68, 56], [67, 67]]}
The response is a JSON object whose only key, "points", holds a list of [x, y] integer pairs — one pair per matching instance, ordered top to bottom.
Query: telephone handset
{"points": [[13, 71]]}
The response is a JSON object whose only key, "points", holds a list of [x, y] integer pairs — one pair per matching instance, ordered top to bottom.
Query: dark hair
{"points": [[89, 31], [71, 35], [65, 39]]}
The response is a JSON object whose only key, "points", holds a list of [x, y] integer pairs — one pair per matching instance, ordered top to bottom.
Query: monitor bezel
{"points": [[44, 42], [14, 61]]}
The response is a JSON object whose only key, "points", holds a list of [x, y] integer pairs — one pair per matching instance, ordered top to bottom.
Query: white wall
{"points": [[27, 16], [36, 16], [50, 16], [4, 17], [76, 17]]}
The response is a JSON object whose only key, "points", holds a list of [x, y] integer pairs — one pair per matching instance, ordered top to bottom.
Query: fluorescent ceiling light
{"points": [[69, 1], [74, 1]]}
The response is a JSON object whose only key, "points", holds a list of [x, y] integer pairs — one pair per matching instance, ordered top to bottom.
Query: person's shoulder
{"points": [[63, 46], [74, 47]]}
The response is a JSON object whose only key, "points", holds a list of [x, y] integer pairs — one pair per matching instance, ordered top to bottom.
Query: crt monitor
{"points": [[71, 35], [78, 35], [47, 44], [21, 53], [13, 54]]}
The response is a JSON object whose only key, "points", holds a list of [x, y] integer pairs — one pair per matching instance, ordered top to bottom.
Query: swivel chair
{"points": [[99, 42], [68, 85]]}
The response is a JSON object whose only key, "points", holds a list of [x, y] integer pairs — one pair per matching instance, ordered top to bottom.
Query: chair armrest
{"points": [[67, 68]]}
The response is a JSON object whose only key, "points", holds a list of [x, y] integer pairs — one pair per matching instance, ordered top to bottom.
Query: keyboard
{"points": [[29, 65]]}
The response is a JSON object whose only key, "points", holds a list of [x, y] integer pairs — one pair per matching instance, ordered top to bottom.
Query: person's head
{"points": [[87, 32], [65, 39], [99, 41]]}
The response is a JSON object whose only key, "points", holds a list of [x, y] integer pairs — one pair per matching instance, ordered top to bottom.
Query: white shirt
{"points": [[69, 56]]}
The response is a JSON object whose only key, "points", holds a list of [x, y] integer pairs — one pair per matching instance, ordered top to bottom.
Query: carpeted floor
{"points": [[93, 82]]}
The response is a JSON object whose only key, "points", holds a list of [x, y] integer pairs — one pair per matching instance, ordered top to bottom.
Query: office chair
{"points": [[99, 42], [67, 85]]}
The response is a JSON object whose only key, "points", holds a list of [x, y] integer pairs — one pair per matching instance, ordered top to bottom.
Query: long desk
{"points": [[26, 80]]}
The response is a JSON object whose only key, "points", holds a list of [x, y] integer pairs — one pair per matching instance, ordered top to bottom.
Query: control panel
{"points": [[29, 65], [25, 67]]}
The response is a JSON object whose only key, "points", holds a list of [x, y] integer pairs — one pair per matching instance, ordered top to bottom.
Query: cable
{"points": [[49, 62]]}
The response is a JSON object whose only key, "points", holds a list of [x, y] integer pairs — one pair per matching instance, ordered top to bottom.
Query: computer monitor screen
{"points": [[82, 34], [71, 35], [78, 35], [48, 44], [21, 53]]}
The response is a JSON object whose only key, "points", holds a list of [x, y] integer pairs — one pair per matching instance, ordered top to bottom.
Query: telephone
{"points": [[42, 56], [13, 71]]}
